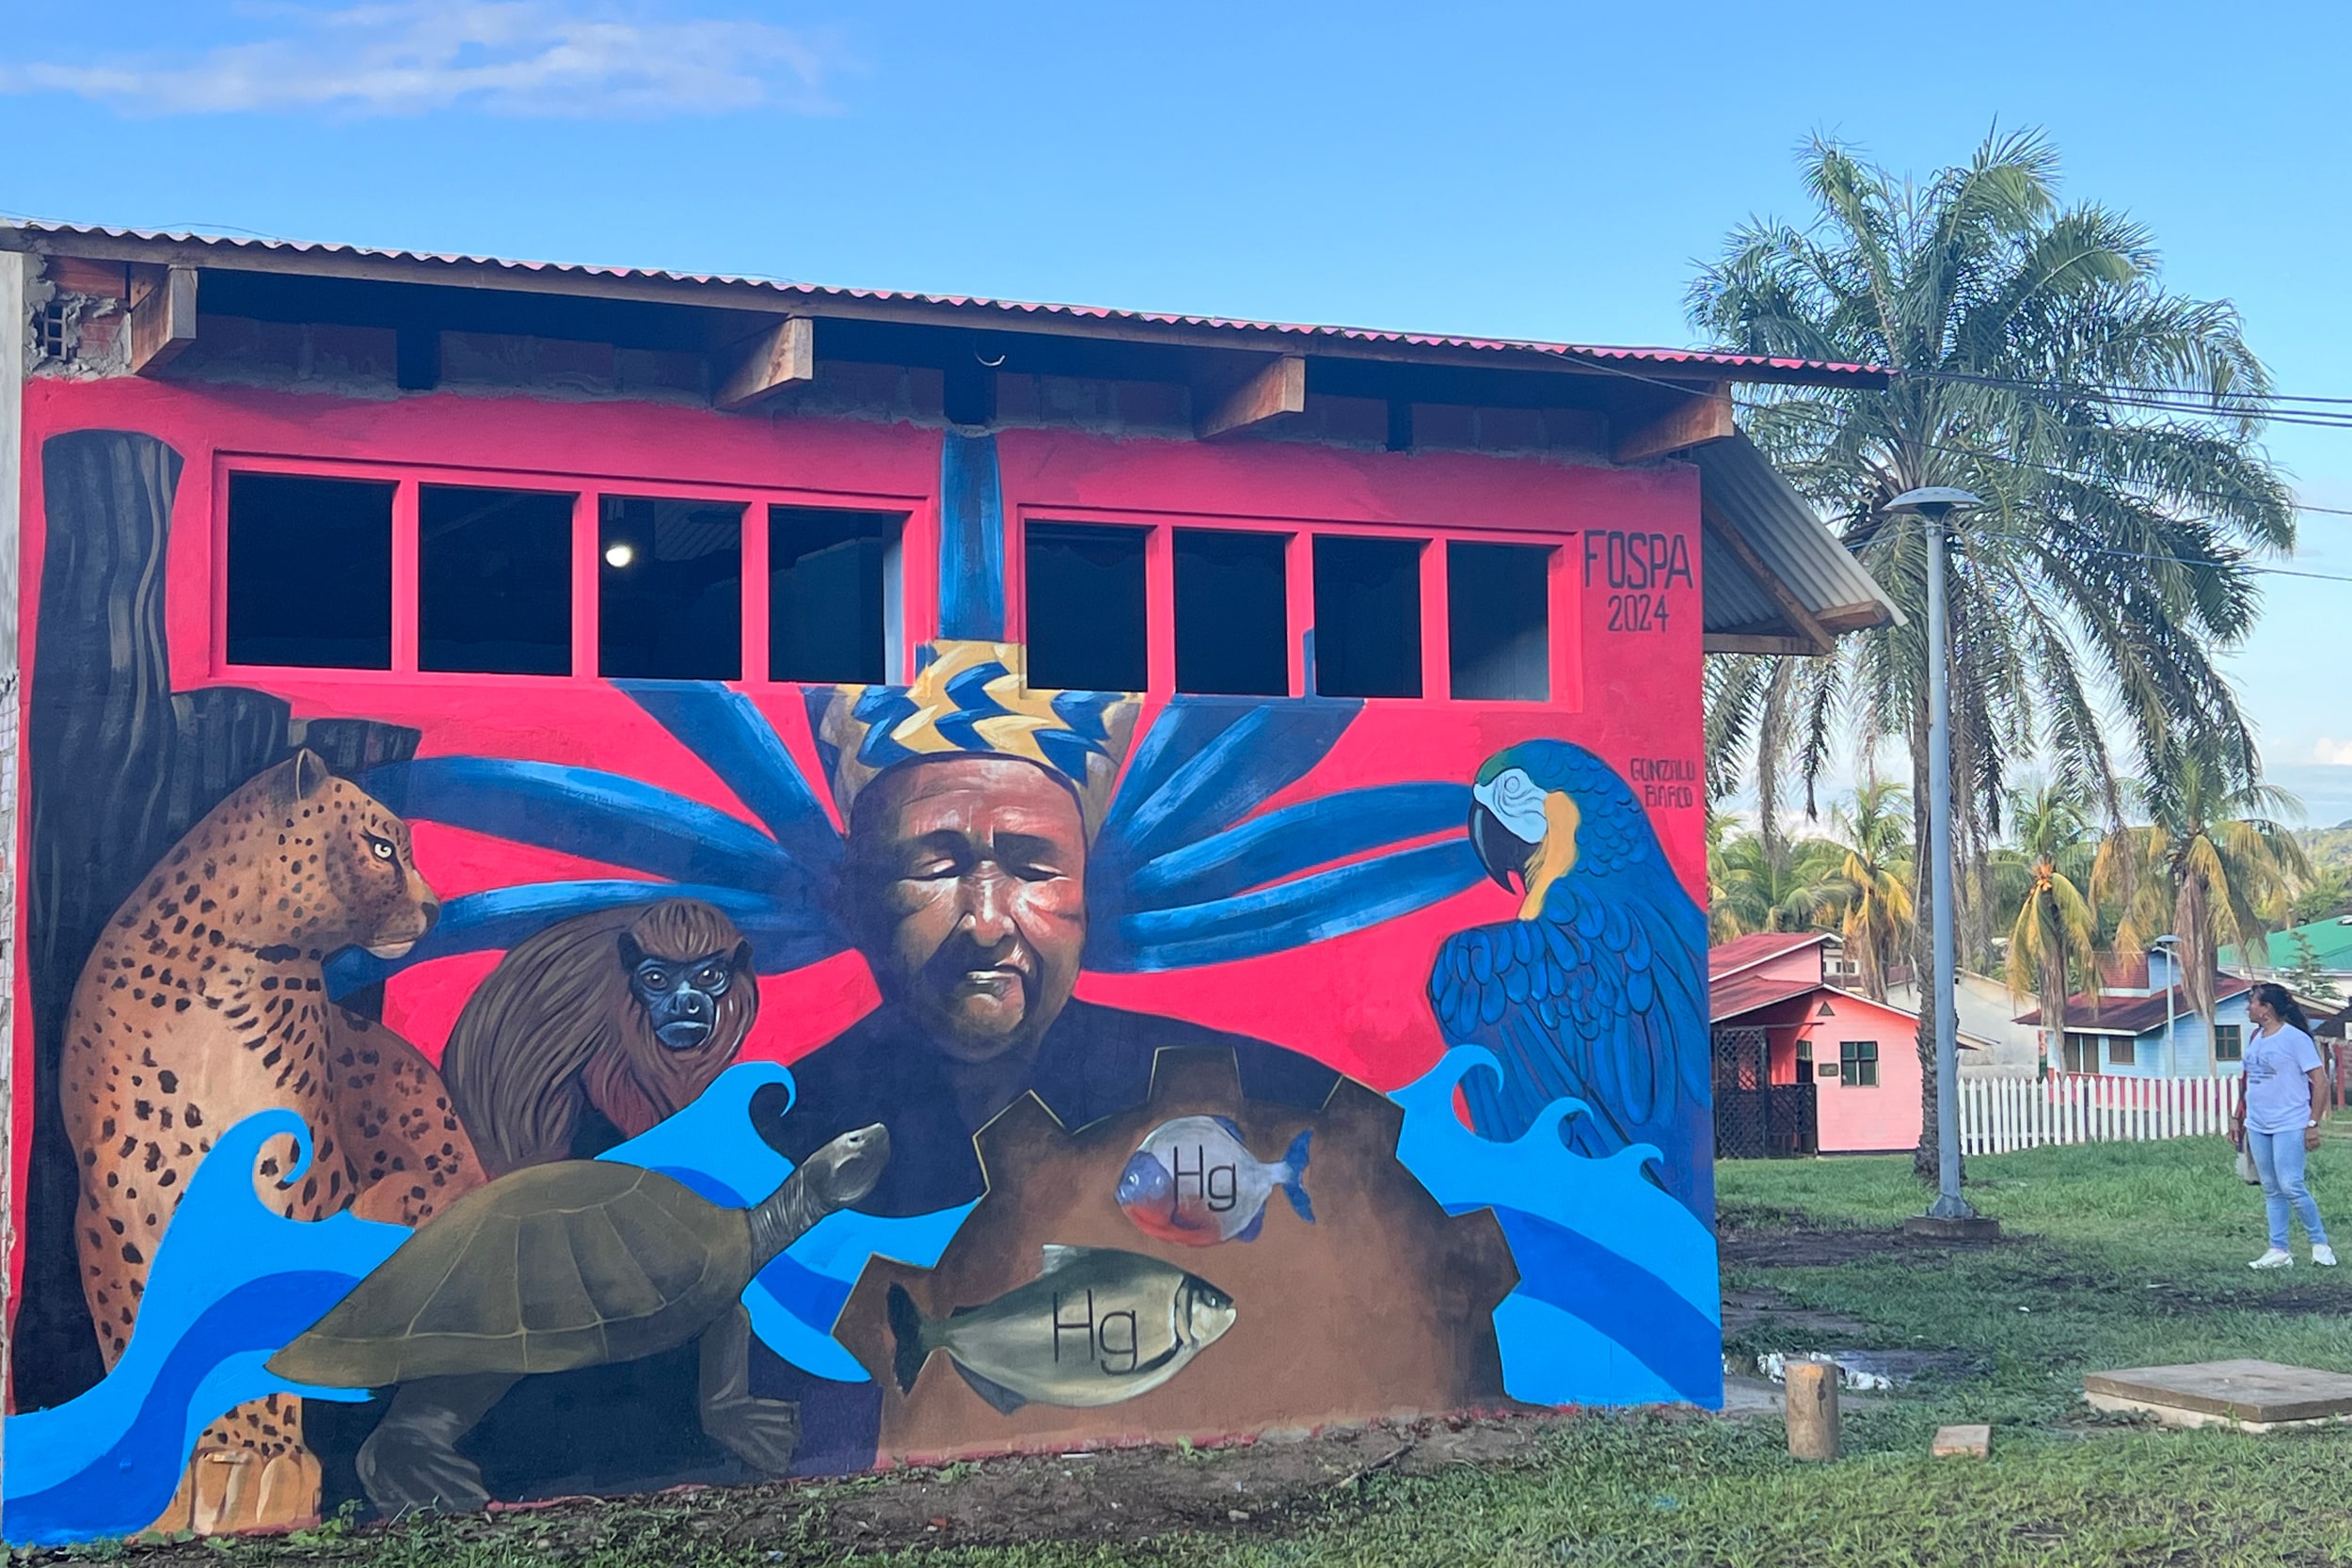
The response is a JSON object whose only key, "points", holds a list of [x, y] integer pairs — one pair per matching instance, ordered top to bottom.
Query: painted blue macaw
{"points": [[1597, 992]]}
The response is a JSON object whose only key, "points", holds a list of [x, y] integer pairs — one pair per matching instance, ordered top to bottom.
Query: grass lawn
{"points": [[2120, 1256]]}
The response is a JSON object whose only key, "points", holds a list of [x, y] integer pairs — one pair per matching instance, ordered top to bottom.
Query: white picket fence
{"points": [[1997, 1115]]}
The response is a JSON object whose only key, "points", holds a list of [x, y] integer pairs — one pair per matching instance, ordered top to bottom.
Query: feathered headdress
{"points": [[974, 699]]}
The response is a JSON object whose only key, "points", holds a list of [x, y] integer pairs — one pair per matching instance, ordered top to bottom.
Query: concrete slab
{"points": [[2250, 1396], [1963, 1442]]}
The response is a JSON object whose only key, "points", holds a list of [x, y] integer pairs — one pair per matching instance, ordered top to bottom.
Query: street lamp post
{"points": [[1950, 1212]]}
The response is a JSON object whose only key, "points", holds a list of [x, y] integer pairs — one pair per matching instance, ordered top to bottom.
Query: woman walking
{"points": [[2281, 1098]]}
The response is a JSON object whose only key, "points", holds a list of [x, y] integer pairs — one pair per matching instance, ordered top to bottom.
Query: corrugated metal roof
{"points": [[1743, 367], [1741, 485], [2330, 940], [1729, 957], [1745, 994], [2133, 1015]]}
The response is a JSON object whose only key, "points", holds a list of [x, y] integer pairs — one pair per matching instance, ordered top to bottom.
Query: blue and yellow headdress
{"points": [[974, 699]]}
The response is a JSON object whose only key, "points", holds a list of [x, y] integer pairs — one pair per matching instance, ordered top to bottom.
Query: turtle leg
{"points": [[763, 1433], [411, 1463]]}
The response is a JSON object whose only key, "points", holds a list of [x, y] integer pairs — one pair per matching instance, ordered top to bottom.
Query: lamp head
{"points": [[1933, 502]]}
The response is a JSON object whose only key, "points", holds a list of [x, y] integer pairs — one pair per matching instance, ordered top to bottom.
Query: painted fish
{"points": [[1194, 1181], [1097, 1326]]}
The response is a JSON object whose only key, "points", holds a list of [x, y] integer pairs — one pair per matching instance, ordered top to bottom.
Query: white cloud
{"points": [[546, 58], [2336, 753]]}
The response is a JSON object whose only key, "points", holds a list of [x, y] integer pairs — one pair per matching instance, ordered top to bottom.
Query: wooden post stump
{"points": [[1812, 1401]]}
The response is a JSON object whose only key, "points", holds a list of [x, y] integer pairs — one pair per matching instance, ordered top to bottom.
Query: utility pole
{"points": [[2172, 977], [1950, 1215]]}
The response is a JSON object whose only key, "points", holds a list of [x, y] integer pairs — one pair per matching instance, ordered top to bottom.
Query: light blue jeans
{"points": [[2278, 1156]]}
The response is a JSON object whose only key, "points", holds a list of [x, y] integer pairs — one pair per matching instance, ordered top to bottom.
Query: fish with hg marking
{"points": [[1194, 1181], [1098, 1325]]}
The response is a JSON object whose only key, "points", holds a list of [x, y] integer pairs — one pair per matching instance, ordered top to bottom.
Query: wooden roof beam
{"points": [[162, 320], [784, 356], [1273, 391], [1687, 421], [1806, 635]]}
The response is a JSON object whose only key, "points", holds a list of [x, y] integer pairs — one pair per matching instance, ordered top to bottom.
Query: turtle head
{"points": [[847, 1168], [835, 1176]]}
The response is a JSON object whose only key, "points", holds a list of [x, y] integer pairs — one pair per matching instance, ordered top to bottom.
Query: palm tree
{"points": [[2091, 596], [1873, 834], [2215, 865], [1767, 885], [2056, 932]]}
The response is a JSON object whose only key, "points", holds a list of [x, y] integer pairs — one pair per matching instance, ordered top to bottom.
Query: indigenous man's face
{"points": [[972, 874]]}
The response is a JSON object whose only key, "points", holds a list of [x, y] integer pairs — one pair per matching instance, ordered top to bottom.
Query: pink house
{"points": [[1804, 1065]]}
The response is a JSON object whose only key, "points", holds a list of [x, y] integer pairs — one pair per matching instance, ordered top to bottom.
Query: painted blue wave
{"points": [[712, 1148], [232, 1283], [1619, 1301]]}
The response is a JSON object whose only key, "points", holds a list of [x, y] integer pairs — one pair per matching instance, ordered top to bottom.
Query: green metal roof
{"points": [[2330, 939]]}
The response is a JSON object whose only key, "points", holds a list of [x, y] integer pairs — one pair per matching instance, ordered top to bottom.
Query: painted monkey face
{"points": [[970, 886], [680, 995]]}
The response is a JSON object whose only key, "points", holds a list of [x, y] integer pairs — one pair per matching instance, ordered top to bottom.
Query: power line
{"points": [[2094, 389], [1684, 390], [1990, 456], [1962, 535]]}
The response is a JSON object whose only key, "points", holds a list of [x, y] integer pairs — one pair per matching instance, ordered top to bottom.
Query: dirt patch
{"points": [[1788, 1240], [1754, 1314], [1270, 1485]]}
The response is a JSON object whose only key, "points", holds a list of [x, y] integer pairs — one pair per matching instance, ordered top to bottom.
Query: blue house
{"points": [[2149, 1030]]}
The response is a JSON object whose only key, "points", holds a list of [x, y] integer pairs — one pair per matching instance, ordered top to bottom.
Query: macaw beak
{"points": [[1502, 852]]}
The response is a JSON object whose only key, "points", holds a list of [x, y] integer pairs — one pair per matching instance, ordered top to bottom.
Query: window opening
{"points": [[53, 339], [309, 572], [494, 580], [670, 589], [833, 594], [1086, 606], [1233, 612], [1367, 617], [1499, 621], [2229, 1043], [2122, 1051], [2082, 1052], [1858, 1064]]}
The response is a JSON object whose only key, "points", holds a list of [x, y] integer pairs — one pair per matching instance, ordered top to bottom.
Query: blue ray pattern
{"points": [[1187, 870]]}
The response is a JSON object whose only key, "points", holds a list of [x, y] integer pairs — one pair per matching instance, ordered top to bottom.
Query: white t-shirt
{"points": [[2278, 1093]]}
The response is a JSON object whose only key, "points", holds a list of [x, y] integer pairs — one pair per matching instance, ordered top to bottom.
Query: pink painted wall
{"points": [[1357, 1003], [1858, 1118]]}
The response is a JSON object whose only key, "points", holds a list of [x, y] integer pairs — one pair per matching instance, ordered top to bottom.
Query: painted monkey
{"points": [[632, 1011]]}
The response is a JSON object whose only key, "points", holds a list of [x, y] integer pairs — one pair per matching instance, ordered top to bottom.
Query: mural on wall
{"points": [[318, 1261]]}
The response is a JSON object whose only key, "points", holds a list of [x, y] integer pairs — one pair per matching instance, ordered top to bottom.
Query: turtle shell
{"points": [[549, 1268]]}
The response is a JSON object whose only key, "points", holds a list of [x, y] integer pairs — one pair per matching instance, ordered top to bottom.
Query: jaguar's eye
{"points": [[381, 849]]}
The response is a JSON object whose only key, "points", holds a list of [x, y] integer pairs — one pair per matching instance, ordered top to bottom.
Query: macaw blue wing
{"points": [[1600, 1000]]}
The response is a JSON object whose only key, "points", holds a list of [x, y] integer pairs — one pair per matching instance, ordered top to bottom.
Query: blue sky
{"points": [[1514, 168]]}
